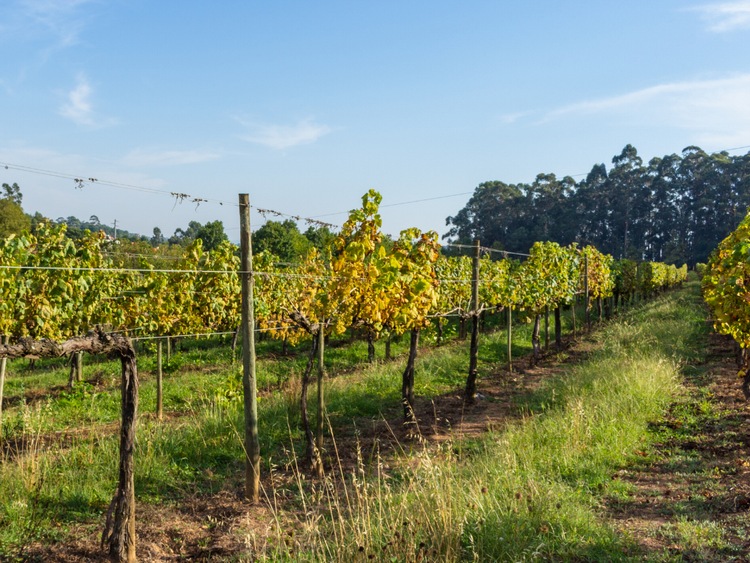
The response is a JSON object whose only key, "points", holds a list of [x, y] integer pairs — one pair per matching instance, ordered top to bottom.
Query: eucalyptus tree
{"points": [[592, 207], [493, 213]]}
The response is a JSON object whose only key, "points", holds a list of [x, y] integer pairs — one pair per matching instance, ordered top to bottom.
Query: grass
{"points": [[530, 491], [525, 493]]}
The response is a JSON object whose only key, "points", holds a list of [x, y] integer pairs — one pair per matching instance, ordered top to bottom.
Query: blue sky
{"points": [[307, 105]]}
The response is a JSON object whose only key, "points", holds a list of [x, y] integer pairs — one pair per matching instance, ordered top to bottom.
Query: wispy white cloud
{"points": [[723, 17], [63, 20], [79, 108], [712, 111], [509, 118], [282, 137], [145, 157]]}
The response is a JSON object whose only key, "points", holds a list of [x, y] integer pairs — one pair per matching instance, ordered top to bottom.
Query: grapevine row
{"points": [[53, 288], [726, 290]]}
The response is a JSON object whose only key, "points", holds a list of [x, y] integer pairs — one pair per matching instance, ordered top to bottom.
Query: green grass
{"points": [[530, 492], [521, 494]]}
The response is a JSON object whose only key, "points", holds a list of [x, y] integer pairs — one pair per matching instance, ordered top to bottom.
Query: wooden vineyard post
{"points": [[586, 290], [573, 314], [558, 327], [235, 338], [510, 339], [3, 366], [76, 369], [79, 372], [471, 380], [159, 381], [249, 385], [319, 422]]}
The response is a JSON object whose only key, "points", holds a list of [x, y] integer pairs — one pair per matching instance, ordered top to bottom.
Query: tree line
{"points": [[673, 209]]}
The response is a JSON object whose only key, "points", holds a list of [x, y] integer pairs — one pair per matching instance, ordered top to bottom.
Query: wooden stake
{"points": [[586, 290], [510, 339], [3, 364], [471, 380], [159, 381], [249, 385], [321, 399]]}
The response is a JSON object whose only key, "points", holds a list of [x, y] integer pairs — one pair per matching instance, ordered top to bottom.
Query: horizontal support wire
{"points": [[82, 180], [486, 249], [120, 270], [179, 271]]}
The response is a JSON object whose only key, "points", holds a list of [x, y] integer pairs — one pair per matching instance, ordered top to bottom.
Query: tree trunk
{"points": [[462, 328], [546, 328], [558, 328], [388, 355], [407, 380]]}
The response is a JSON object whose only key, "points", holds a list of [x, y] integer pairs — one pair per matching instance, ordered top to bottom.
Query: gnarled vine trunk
{"points": [[370, 347], [407, 380], [310, 450], [119, 536]]}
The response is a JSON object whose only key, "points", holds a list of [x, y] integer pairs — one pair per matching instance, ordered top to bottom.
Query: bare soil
{"points": [[698, 475]]}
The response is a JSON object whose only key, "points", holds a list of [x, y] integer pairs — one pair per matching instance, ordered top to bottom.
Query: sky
{"points": [[305, 106]]}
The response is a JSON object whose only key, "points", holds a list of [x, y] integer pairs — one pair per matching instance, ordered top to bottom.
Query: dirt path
{"points": [[689, 498]]}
